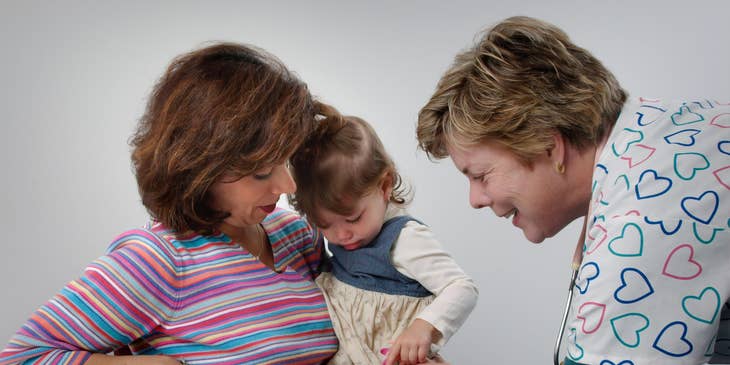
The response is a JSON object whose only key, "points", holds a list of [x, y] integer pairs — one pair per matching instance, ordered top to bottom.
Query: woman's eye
{"points": [[262, 175]]}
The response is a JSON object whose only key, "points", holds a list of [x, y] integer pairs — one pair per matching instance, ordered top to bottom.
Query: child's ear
{"points": [[386, 185]]}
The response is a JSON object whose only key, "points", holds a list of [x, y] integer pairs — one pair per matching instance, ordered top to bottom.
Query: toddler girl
{"points": [[392, 287]]}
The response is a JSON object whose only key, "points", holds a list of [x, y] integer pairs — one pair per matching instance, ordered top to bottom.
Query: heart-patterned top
{"points": [[656, 260]]}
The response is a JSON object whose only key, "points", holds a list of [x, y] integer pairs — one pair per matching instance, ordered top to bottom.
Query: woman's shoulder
{"points": [[285, 222], [288, 228], [137, 237], [155, 237]]}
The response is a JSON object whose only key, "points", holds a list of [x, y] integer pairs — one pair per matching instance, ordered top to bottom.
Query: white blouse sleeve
{"points": [[418, 255]]}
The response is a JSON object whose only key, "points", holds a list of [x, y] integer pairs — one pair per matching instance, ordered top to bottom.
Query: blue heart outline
{"points": [[699, 104], [641, 115], [684, 131], [719, 147], [656, 177], [699, 198], [661, 225], [588, 279], [624, 284], [683, 338], [609, 362]]}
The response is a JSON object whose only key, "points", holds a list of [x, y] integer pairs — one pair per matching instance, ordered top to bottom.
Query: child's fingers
{"points": [[422, 353], [393, 354], [409, 354]]}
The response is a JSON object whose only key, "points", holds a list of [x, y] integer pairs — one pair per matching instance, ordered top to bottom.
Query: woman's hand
{"points": [[413, 345], [101, 359]]}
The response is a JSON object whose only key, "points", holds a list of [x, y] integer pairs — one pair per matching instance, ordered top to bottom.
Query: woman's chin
{"points": [[534, 237]]}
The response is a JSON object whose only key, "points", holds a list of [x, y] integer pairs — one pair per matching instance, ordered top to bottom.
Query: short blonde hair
{"points": [[521, 83]]}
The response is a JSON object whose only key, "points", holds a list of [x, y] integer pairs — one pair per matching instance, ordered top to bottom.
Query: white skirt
{"points": [[366, 321]]}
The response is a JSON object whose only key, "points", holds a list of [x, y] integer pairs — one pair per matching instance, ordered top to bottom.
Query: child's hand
{"points": [[413, 345]]}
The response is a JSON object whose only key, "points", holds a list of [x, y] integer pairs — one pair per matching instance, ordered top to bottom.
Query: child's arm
{"points": [[418, 255], [414, 344]]}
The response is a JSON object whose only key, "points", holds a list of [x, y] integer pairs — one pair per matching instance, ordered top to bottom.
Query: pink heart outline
{"points": [[642, 99], [712, 122], [630, 159], [717, 176], [630, 212], [603, 239], [689, 260], [584, 319]]}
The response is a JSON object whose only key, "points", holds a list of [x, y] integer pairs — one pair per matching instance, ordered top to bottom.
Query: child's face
{"points": [[356, 230]]}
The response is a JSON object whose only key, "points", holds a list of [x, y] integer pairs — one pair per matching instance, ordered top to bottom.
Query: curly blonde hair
{"points": [[523, 81]]}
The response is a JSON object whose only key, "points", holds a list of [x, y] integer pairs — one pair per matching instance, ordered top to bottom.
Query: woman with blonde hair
{"points": [[545, 134]]}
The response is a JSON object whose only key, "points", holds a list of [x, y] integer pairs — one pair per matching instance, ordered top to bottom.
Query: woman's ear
{"points": [[556, 153]]}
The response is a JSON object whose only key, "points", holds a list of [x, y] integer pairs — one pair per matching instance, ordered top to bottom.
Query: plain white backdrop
{"points": [[75, 76]]}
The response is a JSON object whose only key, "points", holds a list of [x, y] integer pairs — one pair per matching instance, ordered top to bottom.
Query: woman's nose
{"points": [[284, 182], [478, 198]]}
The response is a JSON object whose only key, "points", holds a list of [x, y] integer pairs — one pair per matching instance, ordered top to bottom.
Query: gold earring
{"points": [[559, 167]]}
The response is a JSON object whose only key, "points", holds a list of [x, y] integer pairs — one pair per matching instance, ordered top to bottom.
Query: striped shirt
{"points": [[199, 298]]}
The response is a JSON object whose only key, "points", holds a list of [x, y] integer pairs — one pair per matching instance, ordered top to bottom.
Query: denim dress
{"points": [[369, 301]]}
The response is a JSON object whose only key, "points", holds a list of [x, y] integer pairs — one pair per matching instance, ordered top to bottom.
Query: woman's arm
{"points": [[116, 300], [100, 359]]}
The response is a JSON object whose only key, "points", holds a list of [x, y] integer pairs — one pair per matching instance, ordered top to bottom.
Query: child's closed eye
{"points": [[354, 220]]}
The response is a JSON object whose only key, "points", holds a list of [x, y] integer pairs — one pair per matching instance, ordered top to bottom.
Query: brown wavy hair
{"points": [[521, 83], [225, 108], [342, 161]]}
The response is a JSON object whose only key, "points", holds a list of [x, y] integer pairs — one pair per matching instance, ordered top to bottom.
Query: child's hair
{"points": [[341, 161]]}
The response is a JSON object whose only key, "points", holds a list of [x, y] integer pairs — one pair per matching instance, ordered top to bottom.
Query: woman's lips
{"points": [[268, 208]]}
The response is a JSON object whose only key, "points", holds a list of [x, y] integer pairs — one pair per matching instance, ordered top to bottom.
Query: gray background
{"points": [[75, 76]]}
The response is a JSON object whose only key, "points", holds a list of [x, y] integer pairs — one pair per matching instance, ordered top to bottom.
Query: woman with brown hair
{"points": [[545, 134], [220, 274]]}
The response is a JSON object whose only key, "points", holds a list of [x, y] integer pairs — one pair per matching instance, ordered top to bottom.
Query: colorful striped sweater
{"points": [[195, 297]]}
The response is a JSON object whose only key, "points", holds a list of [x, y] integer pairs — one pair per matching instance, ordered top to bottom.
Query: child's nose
{"points": [[344, 235]]}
